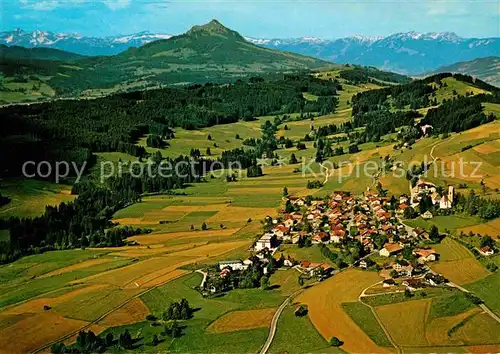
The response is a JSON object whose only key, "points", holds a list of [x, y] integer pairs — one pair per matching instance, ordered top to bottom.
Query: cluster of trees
{"points": [[415, 94], [459, 114], [382, 122], [332, 129], [155, 141], [254, 171], [314, 184], [474, 205], [178, 311], [88, 342]]}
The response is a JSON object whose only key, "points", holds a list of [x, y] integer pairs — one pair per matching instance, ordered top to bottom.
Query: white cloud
{"points": [[117, 4], [40, 5], [46, 5], [439, 8]]}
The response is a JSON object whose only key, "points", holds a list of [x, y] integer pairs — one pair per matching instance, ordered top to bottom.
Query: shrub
{"points": [[335, 342]]}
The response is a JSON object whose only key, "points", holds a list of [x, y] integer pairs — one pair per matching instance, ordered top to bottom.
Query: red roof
{"points": [[393, 247], [485, 249]]}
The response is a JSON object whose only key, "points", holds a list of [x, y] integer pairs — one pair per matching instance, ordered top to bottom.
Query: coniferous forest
{"points": [[73, 130]]}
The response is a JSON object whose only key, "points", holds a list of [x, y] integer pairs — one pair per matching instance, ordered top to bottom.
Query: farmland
{"points": [[458, 264], [83, 287], [326, 312], [432, 318]]}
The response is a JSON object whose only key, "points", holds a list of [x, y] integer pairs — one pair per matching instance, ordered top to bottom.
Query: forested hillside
{"points": [[16, 52], [209, 53], [375, 108]]}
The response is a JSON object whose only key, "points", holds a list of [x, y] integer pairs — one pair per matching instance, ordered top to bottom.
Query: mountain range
{"points": [[76, 43], [208, 53], [410, 53]]}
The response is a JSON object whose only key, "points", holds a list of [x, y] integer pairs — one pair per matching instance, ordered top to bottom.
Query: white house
{"points": [[444, 202], [266, 241], [390, 249], [425, 255], [236, 264]]}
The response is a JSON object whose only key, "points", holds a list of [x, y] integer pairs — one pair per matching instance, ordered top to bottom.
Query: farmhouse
{"points": [[280, 230], [266, 241], [390, 249], [486, 251], [425, 255], [233, 264], [403, 268], [435, 279]]}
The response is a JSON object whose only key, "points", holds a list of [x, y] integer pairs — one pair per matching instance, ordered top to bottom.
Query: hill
{"points": [[16, 52], [205, 53], [409, 53], [486, 69]]}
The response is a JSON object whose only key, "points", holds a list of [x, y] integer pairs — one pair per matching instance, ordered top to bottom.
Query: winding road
{"points": [[274, 321]]}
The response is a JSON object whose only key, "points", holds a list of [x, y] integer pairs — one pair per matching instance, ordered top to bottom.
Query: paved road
{"points": [[205, 274], [482, 306], [274, 322], [381, 324]]}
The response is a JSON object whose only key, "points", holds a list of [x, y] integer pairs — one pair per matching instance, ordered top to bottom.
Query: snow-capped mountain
{"points": [[76, 43], [408, 53]]}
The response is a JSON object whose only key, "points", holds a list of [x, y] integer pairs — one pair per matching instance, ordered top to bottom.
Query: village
{"points": [[364, 231]]}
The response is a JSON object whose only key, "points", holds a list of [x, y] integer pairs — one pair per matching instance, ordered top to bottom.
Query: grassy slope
{"points": [[29, 197]]}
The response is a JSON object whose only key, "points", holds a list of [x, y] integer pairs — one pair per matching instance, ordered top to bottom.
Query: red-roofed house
{"points": [[390, 249]]}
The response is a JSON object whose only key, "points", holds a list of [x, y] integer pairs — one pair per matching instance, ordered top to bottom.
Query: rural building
{"points": [[427, 215], [266, 241], [390, 249], [486, 251], [425, 255], [233, 264], [403, 268], [435, 279], [387, 283], [414, 284]]}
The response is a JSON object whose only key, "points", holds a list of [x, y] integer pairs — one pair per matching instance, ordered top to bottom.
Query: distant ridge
{"points": [[16, 52], [408, 53], [486, 69]]}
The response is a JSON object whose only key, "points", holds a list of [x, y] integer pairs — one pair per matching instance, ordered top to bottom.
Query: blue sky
{"points": [[258, 18]]}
